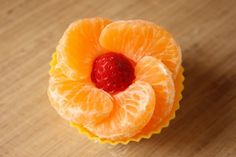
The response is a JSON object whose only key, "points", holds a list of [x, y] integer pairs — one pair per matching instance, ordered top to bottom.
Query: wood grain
{"points": [[205, 124]]}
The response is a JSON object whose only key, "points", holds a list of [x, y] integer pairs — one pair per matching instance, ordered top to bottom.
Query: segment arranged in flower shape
{"points": [[137, 38], [79, 46], [153, 71], [77, 101], [136, 106], [133, 108]]}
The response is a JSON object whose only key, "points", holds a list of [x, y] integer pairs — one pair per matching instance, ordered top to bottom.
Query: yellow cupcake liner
{"points": [[165, 123]]}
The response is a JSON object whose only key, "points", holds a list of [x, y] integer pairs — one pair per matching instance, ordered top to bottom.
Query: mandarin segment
{"points": [[137, 38], [79, 46], [153, 71], [178, 83], [77, 101], [133, 108]]}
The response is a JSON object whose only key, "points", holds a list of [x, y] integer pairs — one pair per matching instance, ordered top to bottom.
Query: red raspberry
{"points": [[112, 72]]}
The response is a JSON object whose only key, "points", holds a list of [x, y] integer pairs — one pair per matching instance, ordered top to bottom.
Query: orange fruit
{"points": [[138, 38], [79, 46], [93, 48], [153, 71], [76, 101], [133, 109]]}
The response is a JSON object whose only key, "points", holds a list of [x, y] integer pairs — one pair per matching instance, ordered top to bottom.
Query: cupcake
{"points": [[116, 81]]}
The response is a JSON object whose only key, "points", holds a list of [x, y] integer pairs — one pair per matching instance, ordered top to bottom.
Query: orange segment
{"points": [[137, 38], [79, 46], [153, 71], [76, 101], [133, 108]]}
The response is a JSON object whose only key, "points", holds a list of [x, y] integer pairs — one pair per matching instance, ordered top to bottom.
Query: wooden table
{"points": [[205, 124]]}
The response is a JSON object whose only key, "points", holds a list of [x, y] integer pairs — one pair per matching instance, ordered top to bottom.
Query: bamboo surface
{"points": [[205, 125]]}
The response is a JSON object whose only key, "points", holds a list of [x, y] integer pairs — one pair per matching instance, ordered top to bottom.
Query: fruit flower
{"points": [[116, 81]]}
